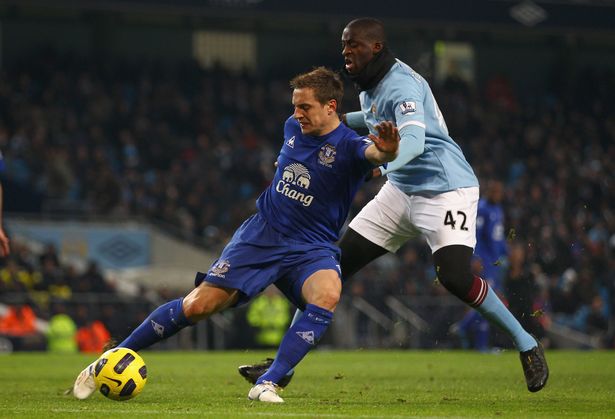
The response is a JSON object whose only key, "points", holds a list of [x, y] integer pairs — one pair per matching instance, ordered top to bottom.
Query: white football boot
{"points": [[84, 384], [265, 392]]}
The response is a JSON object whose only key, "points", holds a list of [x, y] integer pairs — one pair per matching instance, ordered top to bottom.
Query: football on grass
{"points": [[120, 374]]}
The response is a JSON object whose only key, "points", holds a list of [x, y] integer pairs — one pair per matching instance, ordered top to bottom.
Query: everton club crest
{"points": [[326, 155], [220, 268]]}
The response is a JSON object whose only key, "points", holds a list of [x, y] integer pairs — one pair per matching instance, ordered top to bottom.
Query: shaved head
{"points": [[369, 29], [362, 40]]}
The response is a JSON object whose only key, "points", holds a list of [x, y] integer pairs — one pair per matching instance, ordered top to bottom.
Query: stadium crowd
{"points": [[193, 148]]}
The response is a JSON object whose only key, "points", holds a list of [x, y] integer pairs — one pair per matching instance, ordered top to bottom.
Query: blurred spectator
{"points": [[49, 256], [14, 278], [92, 280], [521, 289], [269, 314], [19, 321], [597, 322], [62, 332], [93, 337]]}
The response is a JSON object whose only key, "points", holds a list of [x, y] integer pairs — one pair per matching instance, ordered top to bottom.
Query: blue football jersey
{"points": [[403, 96], [315, 183], [490, 238]]}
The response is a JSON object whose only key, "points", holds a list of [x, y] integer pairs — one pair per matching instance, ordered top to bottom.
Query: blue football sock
{"points": [[495, 311], [296, 317], [162, 323], [302, 336]]}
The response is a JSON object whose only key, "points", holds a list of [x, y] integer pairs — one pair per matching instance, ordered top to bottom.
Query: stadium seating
{"points": [[127, 140]]}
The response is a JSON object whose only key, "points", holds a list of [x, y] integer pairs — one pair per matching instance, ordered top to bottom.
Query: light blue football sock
{"points": [[496, 312], [164, 322], [299, 339]]}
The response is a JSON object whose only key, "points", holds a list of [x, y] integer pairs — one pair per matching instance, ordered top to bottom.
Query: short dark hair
{"points": [[372, 29], [326, 84]]}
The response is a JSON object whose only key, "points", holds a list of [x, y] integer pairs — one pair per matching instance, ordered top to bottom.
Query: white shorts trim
{"points": [[393, 217]]}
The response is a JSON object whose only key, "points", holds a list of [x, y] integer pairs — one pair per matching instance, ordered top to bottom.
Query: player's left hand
{"points": [[387, 140]]}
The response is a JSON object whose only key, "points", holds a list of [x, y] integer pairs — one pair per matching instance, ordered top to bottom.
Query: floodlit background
{"points": [[136, 136]]}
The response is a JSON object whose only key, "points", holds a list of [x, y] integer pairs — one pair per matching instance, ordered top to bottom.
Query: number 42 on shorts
{"points": [[450, 221]]}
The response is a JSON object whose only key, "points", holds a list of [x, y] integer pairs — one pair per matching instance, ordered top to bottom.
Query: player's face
{"points": [[357, 49], [313, 117]]}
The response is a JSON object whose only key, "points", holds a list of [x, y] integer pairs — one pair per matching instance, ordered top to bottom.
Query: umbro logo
{"points": [[291, 142], [158, 328], [307, 336]]}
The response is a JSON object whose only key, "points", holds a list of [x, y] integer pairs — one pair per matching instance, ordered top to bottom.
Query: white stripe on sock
{"points": [[481, 293]]}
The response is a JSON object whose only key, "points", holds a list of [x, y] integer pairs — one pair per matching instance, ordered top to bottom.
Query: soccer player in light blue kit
{"points": [[431, 188], [290, 240], [489, 256]]}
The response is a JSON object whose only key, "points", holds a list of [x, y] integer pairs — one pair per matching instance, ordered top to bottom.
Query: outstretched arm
{"points": [[411, 145], [385, 146]]}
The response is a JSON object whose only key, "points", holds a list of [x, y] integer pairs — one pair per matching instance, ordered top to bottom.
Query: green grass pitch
{"points": [[328, 384]]}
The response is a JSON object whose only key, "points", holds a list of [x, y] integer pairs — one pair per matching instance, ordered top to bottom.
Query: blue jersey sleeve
{"points": [[356, 148]]}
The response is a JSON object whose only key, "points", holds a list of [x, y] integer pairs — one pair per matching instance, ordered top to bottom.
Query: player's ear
{"points": [[377, 47], [332, 104]]}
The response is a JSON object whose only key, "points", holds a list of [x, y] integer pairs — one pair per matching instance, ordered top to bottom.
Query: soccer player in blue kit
{"points": [[431, 189], [290, 240], [491, 247]]}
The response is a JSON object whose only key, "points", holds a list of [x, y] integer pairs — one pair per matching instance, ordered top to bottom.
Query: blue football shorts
{"points": [[258, 256]]}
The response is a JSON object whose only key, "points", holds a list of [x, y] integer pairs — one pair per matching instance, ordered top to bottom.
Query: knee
{"points": [[452, 264], [325, 295], [327, 299], [204, 301], [196, 308]]}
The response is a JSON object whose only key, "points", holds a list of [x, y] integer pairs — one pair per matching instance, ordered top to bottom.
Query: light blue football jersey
{"points": [[403, 96]]}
